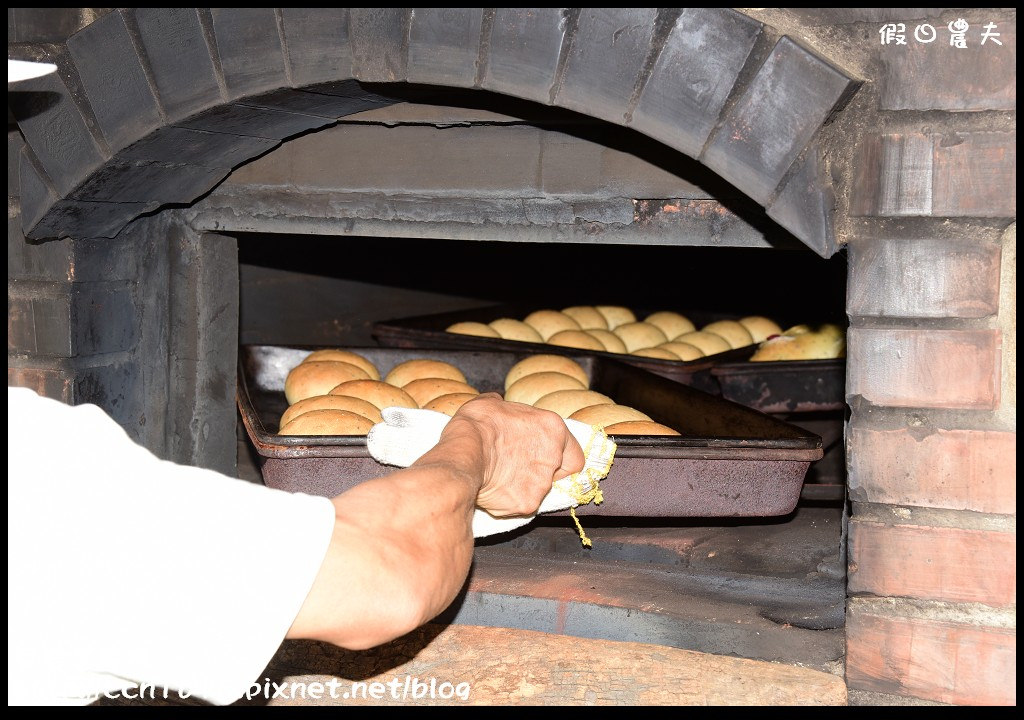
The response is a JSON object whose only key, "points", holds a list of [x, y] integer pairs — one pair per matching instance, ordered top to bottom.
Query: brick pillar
{"points": [[931, 443]]}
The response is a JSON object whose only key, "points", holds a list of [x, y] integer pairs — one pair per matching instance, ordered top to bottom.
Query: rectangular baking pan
{"points": [[429, 331], [786, 386], [730, 461]]}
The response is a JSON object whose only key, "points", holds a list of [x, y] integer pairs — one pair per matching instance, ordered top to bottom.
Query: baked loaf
{"points": [[615, 315], [588, 317], [549, 322], [671, 323], [473, 328], [760, 328], [511, 329], [734, 333], [639, 335], [576, 339], [612, 342], [708, 343], [823, 343], [684, 351], [659, 353], [337, 355], [546, 363], [405, 372], [309, 379], [531, 388], [426, 389], [376, 392], [331, 402], [566, 402], [449, 404], [604, 415], [328, 422], [638, 427]]}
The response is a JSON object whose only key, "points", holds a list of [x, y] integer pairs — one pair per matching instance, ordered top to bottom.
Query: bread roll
{"points": [[615, 315], [588, 317], [549, 322], [671, 323], [473, 328], [760, 328], [511, 329], [734, 333], [639, 335], [576, 339], [612, 342], [708, 343], [805, 346], [684, 351], [659, 353], [336, 355], [546, 363], [404, 373], [309, 379], [536, 385], [426, 389], [376, 392], [332, 402], [566, 402], [449, 404], [604, 415], [328, 422], [638, 427]]}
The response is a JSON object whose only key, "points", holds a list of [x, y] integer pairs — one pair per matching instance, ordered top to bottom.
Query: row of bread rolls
{"points": [[664, 335], [803, 342], [561, 385], [339, 392]]}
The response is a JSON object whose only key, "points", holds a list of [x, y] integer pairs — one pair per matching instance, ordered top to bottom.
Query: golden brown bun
{"points": [[615, 315], [587, 316], [549, 322], [671, 323], [473, 328], [760, 328], [517, 330], [734, 333], [639, 335], [576, 339], [612, 343], [707, 343], [805, 346], [684, 351], [658, 353], [336, 355], [546, 363], [404, 373], [309, 379], [531, 388], [426, 389], [376, 392], [332, 402], [566, 402], [449, 404], [604, 415], [328, 422], [638, 427]]}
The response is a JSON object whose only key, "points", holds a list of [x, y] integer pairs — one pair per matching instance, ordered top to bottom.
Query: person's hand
{"points": [[524, 450]]}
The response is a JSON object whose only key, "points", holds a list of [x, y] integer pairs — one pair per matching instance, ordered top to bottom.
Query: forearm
{"points": [[401, 550]]}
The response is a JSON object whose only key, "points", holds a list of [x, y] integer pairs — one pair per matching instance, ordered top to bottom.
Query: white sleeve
{"points": [[125, 567]]}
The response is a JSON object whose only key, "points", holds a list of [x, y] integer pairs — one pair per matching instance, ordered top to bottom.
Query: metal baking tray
{"points": [[429, 331], [786, 386], [730, 461]]}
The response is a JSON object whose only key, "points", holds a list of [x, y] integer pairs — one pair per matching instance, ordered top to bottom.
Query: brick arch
{"points": [[153, 107]]}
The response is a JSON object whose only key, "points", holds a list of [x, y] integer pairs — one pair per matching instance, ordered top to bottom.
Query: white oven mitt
{"points": [[407, 434]]}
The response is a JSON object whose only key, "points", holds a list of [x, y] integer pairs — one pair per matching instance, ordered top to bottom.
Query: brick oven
{"points": [[193, 177]]}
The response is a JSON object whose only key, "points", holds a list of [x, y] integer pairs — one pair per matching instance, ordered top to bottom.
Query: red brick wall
{"points": [[931, 443]]}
